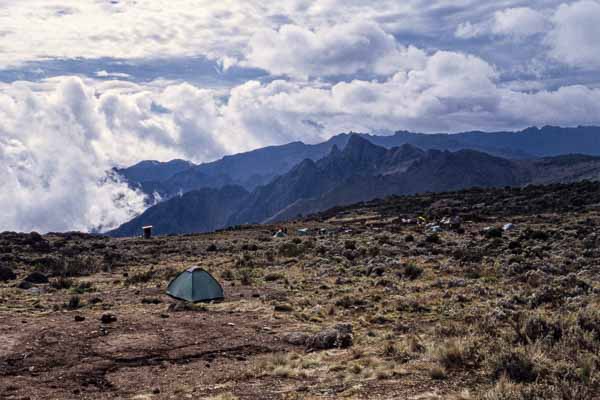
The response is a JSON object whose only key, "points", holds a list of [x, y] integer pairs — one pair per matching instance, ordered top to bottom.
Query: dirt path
{"points": [[54, 356]]}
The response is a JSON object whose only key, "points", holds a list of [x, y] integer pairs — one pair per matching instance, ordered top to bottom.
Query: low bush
{"points": [[290, 249], [412, 271], [274, 276], [142, 277], [61, 283], [74, 303], [517, 364]]}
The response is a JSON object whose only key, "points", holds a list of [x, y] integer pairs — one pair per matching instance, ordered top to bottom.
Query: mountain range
{"points": [[351, 168], [162, 180]]}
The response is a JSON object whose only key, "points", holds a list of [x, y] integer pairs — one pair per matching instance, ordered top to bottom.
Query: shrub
{"points": [[536, 235], [433, 238], [249, 247], [212, 248], [290, 250], [373, 251], [70, 267], [412, 271], [7, 274], [227, 275], [245, 276], [274, 276], [142, 277], [61, 283], [82, 287], [348, 302], [74, 303], [411, 305], [283, 307], [589, 321], [538, 328], [390, 350], [455, 354], [516, 364], [436, 372], [507, 390]]}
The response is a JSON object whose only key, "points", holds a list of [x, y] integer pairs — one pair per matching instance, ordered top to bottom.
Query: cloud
{"points": [[518, 23], [125, 29], [574, 37], [338, 50], [106, 74], [450, 92], [52, 174]]}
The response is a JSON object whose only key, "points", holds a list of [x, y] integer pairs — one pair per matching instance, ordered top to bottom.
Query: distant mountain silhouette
{"points": [[529, 143], [261, 166], [249, 170], [154, 171], [361, 171], [197, 211]]}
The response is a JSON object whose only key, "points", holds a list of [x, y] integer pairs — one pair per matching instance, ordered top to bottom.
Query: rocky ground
{"points": [[386, 302]]}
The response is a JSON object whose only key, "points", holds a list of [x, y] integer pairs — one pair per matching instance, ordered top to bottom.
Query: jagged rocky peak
{"points": [[359, 148]]}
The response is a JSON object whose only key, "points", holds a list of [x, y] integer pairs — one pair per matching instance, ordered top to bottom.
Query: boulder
{"points": [[7, 274], [36, 278], [25, 285], [339, 336], [296, 338]]}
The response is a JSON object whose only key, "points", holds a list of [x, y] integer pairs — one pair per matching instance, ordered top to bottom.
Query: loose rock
{"points": [[7, 274], [36, 278], [25, 285], [108, 318], [339, 336]]}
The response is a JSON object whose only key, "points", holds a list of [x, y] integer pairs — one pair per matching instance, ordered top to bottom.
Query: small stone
{"points": [[79, 318], [108, 318]]}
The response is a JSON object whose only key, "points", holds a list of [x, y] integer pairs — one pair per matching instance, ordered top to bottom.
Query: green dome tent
{"points": [[195, 285]]}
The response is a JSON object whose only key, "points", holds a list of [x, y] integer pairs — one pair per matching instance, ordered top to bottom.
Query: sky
{"points": [[87, 85]]}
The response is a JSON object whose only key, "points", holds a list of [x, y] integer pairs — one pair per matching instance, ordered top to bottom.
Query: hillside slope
{"points": [[360, 172]]}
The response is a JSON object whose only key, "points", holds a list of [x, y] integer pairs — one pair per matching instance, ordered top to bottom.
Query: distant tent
{"points": [[279, 234], [195, 285]]}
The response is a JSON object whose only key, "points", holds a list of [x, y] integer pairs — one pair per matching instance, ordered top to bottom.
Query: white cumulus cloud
{"points": [[518, 22], [574, 37], [340, 49], [53, 176]]}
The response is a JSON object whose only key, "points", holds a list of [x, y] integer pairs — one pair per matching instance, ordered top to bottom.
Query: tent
{"points": [[279, 234], [195, 285]]}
